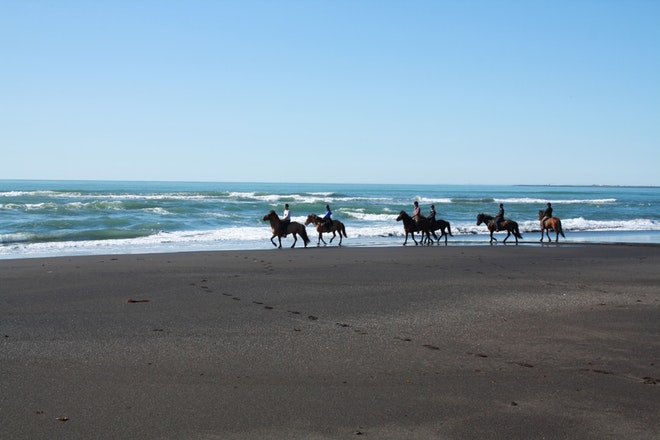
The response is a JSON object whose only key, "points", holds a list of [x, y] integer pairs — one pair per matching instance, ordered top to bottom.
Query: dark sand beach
{"points": [[497, 342]]}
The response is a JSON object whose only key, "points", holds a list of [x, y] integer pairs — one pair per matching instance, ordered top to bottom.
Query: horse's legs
{"points": [[334, 234], [412, 235], [434, 236], [438, 238], [295, 239], [273, 241]]}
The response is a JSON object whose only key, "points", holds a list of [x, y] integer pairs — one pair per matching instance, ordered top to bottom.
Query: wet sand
{"points": [[498, 342]]}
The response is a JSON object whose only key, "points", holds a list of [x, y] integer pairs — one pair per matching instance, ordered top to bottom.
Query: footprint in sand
{"points": [[481, 355]]}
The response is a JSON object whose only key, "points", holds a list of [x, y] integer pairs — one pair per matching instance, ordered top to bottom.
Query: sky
{"points": [[420, 92]]}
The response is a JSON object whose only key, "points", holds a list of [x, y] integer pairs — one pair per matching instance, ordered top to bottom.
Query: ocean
{"points": [[64, 218]]}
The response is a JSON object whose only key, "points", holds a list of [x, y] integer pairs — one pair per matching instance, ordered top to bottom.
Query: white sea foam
{"points": [[27, 193], [429, 200], [528, 200], [39, 206], [159, 211], [369, 217], [583, 225]]}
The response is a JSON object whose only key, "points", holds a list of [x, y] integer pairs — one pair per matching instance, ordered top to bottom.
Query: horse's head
{"points": [[541, 214], [269, 215], [401, 216], [311, 218], [481, 218]]}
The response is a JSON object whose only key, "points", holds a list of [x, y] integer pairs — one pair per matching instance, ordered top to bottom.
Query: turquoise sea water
{"points": [[56, 218]]}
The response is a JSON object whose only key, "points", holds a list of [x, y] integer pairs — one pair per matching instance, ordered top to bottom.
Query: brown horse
{"points": [[551, 223], [410, 226], [509, 226], [321, 227], [294, 228]]}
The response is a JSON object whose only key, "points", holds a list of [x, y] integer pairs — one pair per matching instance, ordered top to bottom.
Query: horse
{"points": [[550, 223], [441, 225], [321, 226], [411, 226], [509, 226], [294, 228]]}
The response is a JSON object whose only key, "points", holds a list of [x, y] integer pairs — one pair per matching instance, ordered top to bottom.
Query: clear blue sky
{"points": [[448, 92]]}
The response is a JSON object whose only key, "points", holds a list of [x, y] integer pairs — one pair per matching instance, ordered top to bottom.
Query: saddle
{"points": [[494, 223]]}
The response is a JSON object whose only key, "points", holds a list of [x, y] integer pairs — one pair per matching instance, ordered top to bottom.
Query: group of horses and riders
{"points": [[425, 225], [428, 225], [283, 226]]}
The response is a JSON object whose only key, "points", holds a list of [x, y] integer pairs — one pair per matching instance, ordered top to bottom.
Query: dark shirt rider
{"points": [[432, 213], [546, 214], [499, 217]]}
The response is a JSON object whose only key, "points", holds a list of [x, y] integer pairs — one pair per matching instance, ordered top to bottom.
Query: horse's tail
{"points": [[449, 229], [343, 230], [561, 230], [516, 231], [303, 234]]}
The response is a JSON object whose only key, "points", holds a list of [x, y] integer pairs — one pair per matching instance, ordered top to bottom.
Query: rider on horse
{"points": [[546, 214], [417, 216], [431, 216], [499, 217], [327, 218], [286, 219]]}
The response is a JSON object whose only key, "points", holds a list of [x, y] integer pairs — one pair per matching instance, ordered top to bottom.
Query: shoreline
{"points": [[651, 238], [510, 341]]}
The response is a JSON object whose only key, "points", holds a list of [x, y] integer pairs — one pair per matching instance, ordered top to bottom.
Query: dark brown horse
{"points": [[550, 223], [441, 225], [321, 226], [411, 226], [509, 226], [294, 228]]}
